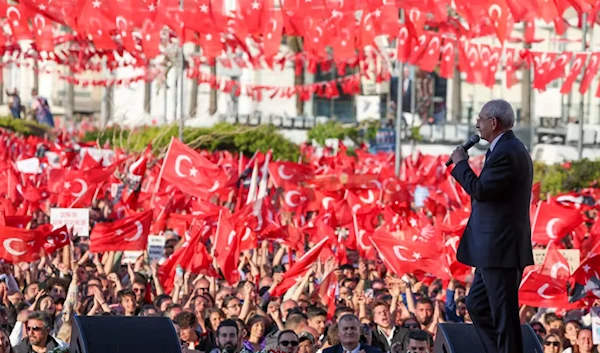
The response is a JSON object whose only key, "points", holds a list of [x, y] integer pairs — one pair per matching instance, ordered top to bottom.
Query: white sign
{"points": [[548, 104], [368, 108], [29, 166], [421, 194], [78, 218], [156, 247], [156, 250], [572, 256], [130, 257], [596, 324]]}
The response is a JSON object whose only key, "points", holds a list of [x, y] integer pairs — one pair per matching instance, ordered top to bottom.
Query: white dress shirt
{"points": [[493, 144], [355, 350]]}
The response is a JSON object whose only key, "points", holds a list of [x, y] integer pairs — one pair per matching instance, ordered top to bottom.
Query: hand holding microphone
{"points": [[472, 141]]}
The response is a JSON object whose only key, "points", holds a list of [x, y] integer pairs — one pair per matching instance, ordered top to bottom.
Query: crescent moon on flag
{"points": [[495, 8], [12, 9], [178, 165], [282, 174], [215, 186], [84, 187], [288, 198], [326, 200], [368, 200], [550, 228], [138, 233], [360, 236], [8, 246], [399, 255], [557, 266], [541, 291]]}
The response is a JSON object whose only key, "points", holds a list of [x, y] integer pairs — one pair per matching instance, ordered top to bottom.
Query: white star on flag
{"points": [[96, 3], [255, 5], [42, 7], [151, 8], [204, 8], [193, 171], [67, 185], [119, 232], [416, 256], [586, 268]]}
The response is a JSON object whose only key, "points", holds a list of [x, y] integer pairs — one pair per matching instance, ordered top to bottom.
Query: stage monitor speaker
{"points": [[119, 334], [461, 338]]}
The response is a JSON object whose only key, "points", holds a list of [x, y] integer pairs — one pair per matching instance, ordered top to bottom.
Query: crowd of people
{"points": [[343, 303], [372, 313]]}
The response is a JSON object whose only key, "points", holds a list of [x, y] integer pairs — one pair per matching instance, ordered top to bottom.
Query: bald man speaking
{"points": [[497, 239]]}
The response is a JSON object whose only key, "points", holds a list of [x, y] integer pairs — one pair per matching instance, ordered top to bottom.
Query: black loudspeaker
{"points": [[118, 334], [462, 338]]}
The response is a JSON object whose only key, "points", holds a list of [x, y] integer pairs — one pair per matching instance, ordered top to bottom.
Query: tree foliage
{"points": [[23, 127], [222, 136], [572, 176]]}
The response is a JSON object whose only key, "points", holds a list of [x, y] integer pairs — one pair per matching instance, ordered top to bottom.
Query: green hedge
{"points": [[24, 127], [222, 136], [567, 177]]}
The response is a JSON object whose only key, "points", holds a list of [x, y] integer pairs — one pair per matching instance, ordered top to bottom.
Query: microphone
{"points": [[472, 141]]}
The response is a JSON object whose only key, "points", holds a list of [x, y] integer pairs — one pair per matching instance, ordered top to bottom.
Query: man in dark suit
{"points": [[497, 239], [349, 332]]}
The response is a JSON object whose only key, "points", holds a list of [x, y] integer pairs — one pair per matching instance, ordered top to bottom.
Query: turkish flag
{"points": [[190, 172], [553, 221], [129, 233], [54, 239], [20, 245], [227, 247], [300, 267]]}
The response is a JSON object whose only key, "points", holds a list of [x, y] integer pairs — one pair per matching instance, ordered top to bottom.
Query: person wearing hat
{"points": [[307, 343]]}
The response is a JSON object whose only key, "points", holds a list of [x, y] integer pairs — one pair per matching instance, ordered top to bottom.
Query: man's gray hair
{"points": [[502, 111], [41, 316], [349, 317]]}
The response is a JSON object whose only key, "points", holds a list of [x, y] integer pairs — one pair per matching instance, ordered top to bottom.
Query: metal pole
{"points": [[584, 30], [180, 83], [413, 92], [589, 92], [400, 93], [181, 97], [165, 100], [104, 108], [531, 117], [398, 160]]}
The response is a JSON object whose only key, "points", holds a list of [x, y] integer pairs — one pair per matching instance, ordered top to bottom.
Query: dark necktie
{"points": [[487, 156]]}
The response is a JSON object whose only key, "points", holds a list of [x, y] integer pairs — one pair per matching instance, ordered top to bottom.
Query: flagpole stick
{"points": [[584, 31], [180, 83], [400, 93], [162, 167]]}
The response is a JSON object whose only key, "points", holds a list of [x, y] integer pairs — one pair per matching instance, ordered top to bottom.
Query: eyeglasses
{"points": [[480, 118], [203, 290], [234, 306], [34, 328], [289, 343], [551, 343], [418, 350]]}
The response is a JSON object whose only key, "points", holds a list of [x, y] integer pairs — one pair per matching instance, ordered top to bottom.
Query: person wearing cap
{"points": [[307, 343]]}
